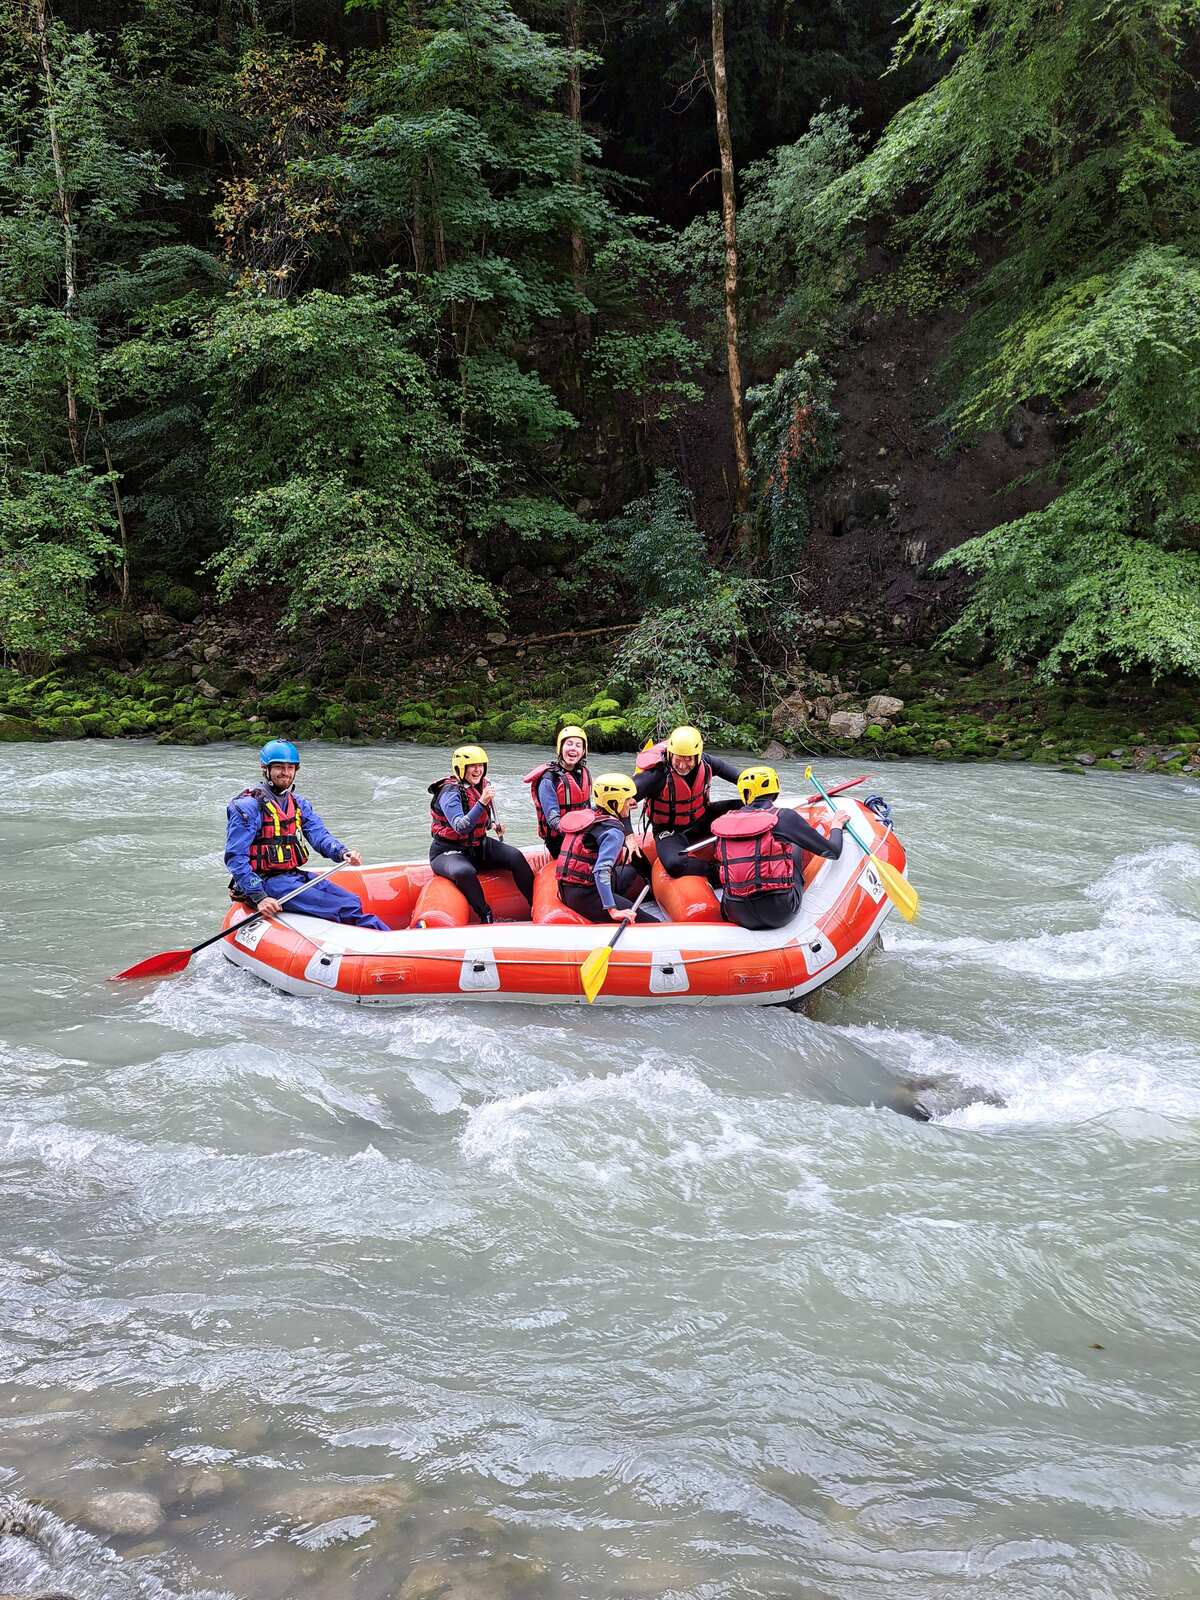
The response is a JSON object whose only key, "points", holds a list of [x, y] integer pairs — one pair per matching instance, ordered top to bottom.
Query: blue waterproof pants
{"points": [[322, 900]]}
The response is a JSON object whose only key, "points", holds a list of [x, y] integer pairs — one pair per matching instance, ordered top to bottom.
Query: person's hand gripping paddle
{"points": [[899, 891], [169, 962]]}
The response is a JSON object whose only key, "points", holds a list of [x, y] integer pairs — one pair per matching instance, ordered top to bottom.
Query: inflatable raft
{"points": [[438, 951]]}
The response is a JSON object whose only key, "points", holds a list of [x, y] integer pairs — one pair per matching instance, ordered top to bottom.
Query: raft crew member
{"points": [[564, 784], [678, 808], [460, 815], [267, 834], [760, 854], [593, 879]]}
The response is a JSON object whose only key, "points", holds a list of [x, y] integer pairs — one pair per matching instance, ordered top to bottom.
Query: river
{"points": [[538, 1303]]}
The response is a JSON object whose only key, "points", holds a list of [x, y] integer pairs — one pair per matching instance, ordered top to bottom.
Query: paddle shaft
{"points": [[846, 828], [255, 915]]}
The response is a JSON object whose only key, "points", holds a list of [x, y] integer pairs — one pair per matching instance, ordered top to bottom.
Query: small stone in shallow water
{"points": [[1085, 758], [124, 1511]]}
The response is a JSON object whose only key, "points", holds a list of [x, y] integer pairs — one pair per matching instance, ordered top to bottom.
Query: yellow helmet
{"points": [[570, 732], [685, 741], [467, 755], [754, 782], [611, 790]]}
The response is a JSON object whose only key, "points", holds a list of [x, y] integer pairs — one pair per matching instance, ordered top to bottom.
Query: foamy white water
{"points": [[546, 1303]]}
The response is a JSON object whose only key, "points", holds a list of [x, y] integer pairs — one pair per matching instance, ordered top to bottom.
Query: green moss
{"points": [[16, 729]]}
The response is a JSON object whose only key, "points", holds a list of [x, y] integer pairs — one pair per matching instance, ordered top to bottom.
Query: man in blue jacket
{"points": [[267, 834]]}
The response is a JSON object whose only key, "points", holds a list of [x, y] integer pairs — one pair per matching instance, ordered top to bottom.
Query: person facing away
{"points": [[564, 784], [676, 788], [460, 815], [268, 830], [760, 854], [597, 872]]}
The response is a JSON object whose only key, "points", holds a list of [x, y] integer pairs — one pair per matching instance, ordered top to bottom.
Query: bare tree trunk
{"points": [[574, 33], [65, 214], [741, 445], [119, 507]]}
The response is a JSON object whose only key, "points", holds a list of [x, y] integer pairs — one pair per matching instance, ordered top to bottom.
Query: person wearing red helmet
{"points": [[268, 831]]}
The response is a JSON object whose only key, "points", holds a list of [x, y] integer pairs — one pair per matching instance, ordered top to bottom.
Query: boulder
{"points": [[883, 707], [790, 713], [847, 725], [13, 729], [775, 751], [127, 1512]]}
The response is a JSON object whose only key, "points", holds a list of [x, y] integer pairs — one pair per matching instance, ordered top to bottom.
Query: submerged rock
{"points": [[926, 1099], [326, 1502], [124, 1512], [505, 1577]]}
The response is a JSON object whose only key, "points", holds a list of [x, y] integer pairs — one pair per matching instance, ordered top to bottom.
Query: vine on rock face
{"points": [[793, 429]]}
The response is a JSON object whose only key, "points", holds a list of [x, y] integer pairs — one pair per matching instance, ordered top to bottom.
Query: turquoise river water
{"points": [[545, 1304]]}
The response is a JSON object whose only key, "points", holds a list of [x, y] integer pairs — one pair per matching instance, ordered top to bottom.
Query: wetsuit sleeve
{"points": [[724, 769], [649, 782], [548, 798], [452, 810], [241, 826], [795, 830], [317, 834], [607, 852]]}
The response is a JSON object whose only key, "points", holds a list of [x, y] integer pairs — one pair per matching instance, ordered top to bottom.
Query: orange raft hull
{"points": [[439, 952]]}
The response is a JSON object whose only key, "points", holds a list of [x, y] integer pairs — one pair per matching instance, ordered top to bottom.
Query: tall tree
{"points": [[733, 359]]}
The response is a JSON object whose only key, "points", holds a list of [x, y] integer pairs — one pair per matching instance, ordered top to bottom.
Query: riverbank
{"points": [[856, 685]]}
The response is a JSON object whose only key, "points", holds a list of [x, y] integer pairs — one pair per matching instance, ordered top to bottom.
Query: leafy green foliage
{"points": [[1052, 149], [794, 274], [793, 435], [335, 448], [55, 531], [654, 547], [682, 658]]}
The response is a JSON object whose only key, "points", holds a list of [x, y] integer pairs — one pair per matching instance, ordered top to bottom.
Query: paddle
{"points": [[899, 891], [168, 962], [595, 968]]}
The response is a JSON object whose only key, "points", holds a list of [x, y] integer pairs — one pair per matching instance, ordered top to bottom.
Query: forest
{"points": [[387, 322]]}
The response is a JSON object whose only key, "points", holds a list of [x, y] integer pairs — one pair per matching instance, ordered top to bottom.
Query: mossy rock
{"points": [[180, 600], [360, 690], [604, 706], [462, 713], [341, 721], [410, 721], [99, 725], [64, 727], [14, 730], [533, 730], [874, 732], [1187, 735], [1107, 764]]}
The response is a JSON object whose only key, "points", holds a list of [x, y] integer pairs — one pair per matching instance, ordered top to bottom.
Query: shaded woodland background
{"points": [[416, 316]]}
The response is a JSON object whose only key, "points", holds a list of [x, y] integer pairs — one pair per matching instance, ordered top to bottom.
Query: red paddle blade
{"points": [[159, 966]]}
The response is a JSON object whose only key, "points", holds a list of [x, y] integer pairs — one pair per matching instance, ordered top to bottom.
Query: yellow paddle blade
{"points": [[900, 892], [594, 971]]}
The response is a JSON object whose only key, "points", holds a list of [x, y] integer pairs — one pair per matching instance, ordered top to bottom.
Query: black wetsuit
{"points": [[772, 910]]}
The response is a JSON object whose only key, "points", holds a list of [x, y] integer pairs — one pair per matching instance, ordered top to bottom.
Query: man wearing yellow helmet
{"points": [[675, 783], [564, 784], [460, 814], [760, 853], [592, 878]]}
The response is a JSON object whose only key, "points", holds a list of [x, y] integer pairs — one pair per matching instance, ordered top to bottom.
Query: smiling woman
{"points": [[343, 1298]]}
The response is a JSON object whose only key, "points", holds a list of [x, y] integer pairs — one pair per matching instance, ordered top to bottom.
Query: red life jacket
{"points": [[573, 789], [681, 801], [437, 817], [279, 845], [581, 845], [750, 859]]}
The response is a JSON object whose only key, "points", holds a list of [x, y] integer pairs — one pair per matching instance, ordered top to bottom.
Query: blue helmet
{"points": [[279, 750]]}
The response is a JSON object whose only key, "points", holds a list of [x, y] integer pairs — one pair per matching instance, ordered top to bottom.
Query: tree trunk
{"points": [[574, 32], [65, 215], [741, 445], [119, 507]]}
